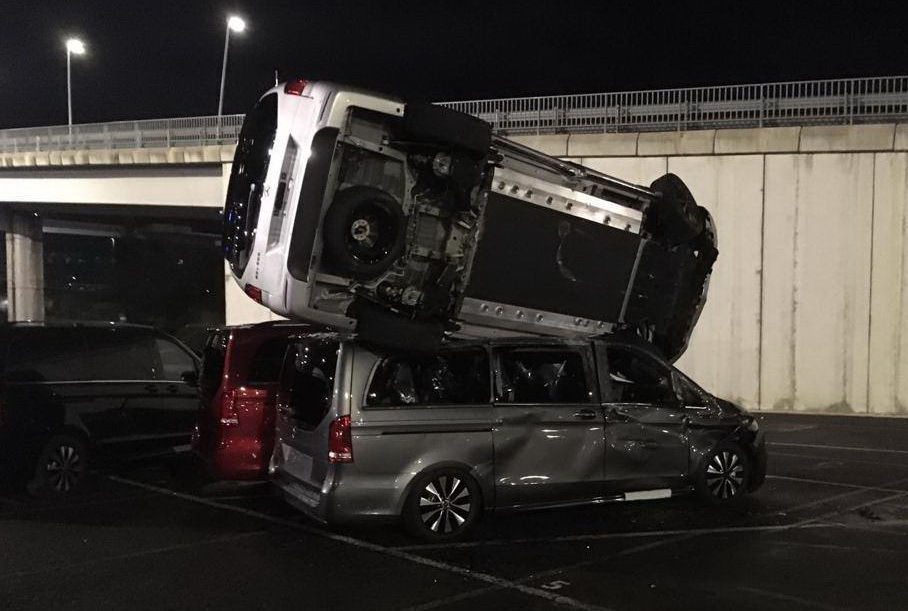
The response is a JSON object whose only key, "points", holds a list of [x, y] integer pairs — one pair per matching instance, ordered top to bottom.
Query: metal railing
{"points": [[843, 102], [152, 133]]}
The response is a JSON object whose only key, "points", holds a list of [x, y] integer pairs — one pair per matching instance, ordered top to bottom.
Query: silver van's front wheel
{"points": [[442, 505]]}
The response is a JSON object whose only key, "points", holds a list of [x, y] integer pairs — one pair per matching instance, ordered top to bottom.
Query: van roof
{"points": [[93, 324], [610, 340]]}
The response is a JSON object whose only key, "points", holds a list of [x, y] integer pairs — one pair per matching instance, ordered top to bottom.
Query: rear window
{"points": [[247, 178], [265, 366], [451, 378], [307, 381]]}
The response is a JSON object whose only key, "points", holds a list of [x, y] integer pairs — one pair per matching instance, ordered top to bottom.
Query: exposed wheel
{"points": [[439, 125], [675, 217], [364, 232], [61, 466], [724, 474], [443, 505]]}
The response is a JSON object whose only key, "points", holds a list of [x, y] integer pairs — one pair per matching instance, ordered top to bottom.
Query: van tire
{"points": [[428, 123], [364, 232], [61, 466], [724, 475], [442, 505]]}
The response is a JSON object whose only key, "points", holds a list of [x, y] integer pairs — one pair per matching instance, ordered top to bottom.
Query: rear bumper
{"points": [[238, 458], [303, 497]]}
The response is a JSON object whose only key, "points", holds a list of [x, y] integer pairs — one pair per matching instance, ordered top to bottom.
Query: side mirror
{"points": [[190, 377]]}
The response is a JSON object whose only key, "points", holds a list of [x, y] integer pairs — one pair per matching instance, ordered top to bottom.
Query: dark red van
{"points": [[234, 432]]}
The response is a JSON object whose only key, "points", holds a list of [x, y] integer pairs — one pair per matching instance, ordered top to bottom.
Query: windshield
{"points": [[244, 193]]}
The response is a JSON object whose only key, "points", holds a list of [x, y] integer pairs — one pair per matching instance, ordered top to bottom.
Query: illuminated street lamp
{"points": [[237, 25], [74, 46]]}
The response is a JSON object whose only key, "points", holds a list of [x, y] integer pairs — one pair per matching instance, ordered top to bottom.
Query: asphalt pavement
{"points": [[828, 531]]}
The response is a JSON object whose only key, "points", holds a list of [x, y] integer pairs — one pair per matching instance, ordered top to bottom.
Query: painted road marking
{"points": [[824, 447], [148, 552], [495, 582]]}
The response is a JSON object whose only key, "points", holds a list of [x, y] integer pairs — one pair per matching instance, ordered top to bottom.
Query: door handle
{"points": [[151, 388], [585, 414]]}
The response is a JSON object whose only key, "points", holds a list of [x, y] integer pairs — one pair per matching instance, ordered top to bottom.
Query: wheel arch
{"points": [[486, 488]]}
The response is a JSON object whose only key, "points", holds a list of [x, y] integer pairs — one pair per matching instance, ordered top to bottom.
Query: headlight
{"points": [[752, 425]]}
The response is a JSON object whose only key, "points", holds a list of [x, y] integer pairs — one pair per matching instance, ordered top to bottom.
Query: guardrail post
{"points": [[849, 101], [762, 105]]}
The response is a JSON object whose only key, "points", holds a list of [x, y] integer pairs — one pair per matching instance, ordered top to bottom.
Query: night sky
{"points": [[162, 58]]}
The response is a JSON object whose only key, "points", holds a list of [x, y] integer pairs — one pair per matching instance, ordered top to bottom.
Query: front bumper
{"points": [[760, 460]]}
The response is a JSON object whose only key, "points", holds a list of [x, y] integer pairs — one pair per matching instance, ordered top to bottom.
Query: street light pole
{"points": [[237, 25], [73, 45]]}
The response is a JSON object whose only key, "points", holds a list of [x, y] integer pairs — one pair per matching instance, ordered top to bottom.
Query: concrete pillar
{"points": [[24, 265]]}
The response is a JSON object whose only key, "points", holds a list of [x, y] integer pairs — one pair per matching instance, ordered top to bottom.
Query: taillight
{"points": [[295, 86], [254, 292], [229, 414], [340, 441]]}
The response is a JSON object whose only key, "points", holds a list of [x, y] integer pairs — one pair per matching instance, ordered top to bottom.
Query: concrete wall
{"points": [[808, 303]]}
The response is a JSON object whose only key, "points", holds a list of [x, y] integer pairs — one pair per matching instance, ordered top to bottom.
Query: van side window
{"points": [[121, 354], [47, 355], [174, 360], [541, 376], [458, 377], [636, 378], [308, 379]]}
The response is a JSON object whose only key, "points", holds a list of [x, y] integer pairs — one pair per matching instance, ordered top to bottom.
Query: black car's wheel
{"points": [[364, 232], [61, 466], [724, 474], [443, 505]]}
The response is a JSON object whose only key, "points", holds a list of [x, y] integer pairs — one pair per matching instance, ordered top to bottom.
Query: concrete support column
{"points": [[24, 265]]}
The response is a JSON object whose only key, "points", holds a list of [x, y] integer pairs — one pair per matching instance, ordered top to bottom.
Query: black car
{"points": [[68, 391]]}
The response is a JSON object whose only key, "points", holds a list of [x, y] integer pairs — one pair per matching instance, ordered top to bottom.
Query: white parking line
{"points": [[825, 447], [840, 459], [881, 488], [856, 490], [600, 537], [148, 552], [496, 582], [778, 596]]}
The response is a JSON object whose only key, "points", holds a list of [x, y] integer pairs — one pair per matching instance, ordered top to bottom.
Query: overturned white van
{"points": [[406, 222]]}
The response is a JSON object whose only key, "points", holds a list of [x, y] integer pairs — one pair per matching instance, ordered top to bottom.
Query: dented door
{"points": [[548, 434], [646, 445]]}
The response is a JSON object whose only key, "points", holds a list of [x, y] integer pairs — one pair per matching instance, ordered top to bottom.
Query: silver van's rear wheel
{"points": [[442, 505]]}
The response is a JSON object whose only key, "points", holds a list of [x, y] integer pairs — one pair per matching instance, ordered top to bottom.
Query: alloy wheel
{"points": [[64, 468], [725, 474], [445, 504]]}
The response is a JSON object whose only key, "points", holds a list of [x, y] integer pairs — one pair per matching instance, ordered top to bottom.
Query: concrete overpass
{"points": [[808, 306]]}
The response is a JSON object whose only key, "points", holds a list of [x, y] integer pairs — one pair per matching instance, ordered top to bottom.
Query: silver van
{"points": [[437, 438]]}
